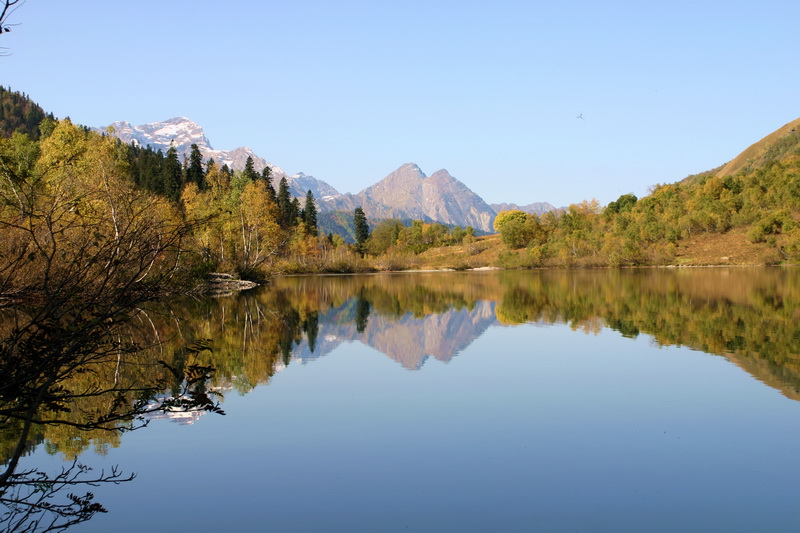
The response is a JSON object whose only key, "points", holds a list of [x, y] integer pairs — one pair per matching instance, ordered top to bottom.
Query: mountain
{"points": [[182, 133], [405, 194], [408, 194], [536, 208]]}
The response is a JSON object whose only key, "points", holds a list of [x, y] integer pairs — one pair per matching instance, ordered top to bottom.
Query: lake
{"points": [[612, 400]]}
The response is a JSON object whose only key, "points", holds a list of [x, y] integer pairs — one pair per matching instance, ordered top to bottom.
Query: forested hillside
{"points": [[19, 113], [753, 200]]}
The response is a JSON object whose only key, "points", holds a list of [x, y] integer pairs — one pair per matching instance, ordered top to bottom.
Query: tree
{"points": [[249, 171], [194, 172], [266, 175], [171, 177], [295, 212], [285, 215], [310, 215], [512, 227], [259, 228], [361, 229], [384, 236], [84, 249]]}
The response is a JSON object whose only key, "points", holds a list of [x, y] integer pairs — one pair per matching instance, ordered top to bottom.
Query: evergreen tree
{"points": [[249, 171], [195, 172], [171, 175], [266, 175], [295, 214], [310, 215], [285, 217], [362, 229]]}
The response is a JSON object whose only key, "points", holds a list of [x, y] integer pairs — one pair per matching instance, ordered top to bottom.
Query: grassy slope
{"points": [[770, 147]]}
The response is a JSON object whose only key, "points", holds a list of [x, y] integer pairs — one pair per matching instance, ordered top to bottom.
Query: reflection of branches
{"points": [[38, 391], [27, 497]]}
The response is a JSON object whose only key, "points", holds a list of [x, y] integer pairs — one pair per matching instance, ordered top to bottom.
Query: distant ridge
{"points": [[536, 208]]}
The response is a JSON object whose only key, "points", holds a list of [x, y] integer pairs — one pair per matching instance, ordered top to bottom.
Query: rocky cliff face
{"points": [[407, 193], [440, 197]]}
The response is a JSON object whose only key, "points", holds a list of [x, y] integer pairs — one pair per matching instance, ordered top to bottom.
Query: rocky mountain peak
{"points": [[406, 193]]}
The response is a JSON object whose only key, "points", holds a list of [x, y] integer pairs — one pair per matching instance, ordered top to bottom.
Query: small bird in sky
{"points": [[580, 117]]}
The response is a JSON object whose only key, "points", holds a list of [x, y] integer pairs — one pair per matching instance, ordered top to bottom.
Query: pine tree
{"points": [[249, 171], [195, 172], [171, 175], [266, 175], [295, 213], [310, 215], [285, 217], [362, 229]]}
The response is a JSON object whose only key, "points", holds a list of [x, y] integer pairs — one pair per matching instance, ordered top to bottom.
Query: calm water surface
{"points": [[652, 400]]}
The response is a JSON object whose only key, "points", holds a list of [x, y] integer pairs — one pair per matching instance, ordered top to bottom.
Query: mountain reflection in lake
{"points": [[571, 400]]}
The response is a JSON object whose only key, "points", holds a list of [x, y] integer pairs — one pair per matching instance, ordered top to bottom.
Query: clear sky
{"points": [[491, 91]]}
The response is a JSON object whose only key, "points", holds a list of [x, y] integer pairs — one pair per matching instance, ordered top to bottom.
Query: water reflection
{"points": [[749, 316], [74, 374]]}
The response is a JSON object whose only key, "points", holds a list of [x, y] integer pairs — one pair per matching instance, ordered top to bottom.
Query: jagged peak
{"points": [[180, 120], [408, 169], [442, 173]]}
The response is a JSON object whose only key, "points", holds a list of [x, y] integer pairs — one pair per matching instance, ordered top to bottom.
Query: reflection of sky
{"points": [[528, 429]]}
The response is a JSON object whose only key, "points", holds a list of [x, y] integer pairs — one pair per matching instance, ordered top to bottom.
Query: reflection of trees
{"points": [[363, 308], [748, 315], [75, 374], [79, 380]]}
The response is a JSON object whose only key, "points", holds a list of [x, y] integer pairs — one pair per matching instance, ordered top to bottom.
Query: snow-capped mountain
{"points": [[182, 133], [407, 193]]}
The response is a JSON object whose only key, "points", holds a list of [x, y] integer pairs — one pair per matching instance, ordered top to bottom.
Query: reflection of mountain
{"points": [[749, 316], [406, 339]]}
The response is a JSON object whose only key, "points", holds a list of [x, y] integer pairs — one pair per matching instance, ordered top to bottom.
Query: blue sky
{"points": [[349, 91]]}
